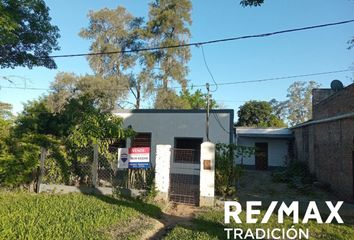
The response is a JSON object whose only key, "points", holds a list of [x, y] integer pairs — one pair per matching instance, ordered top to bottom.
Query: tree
{"points": [[250, 3], [168, 25], [116, 30], [27, 36], [66, 86], [169, 99], [198, 100], [299, 103], [279, 108], [5, 110], [258, 114]]}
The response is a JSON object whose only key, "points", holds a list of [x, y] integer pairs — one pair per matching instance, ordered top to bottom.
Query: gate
{"points": [[185, 176]]}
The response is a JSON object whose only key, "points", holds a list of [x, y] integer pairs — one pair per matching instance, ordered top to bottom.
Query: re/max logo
{"points": [[232, 210]]}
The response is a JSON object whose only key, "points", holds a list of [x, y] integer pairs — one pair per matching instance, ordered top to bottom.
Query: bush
{"points": [[226, 172], [296, 175]]}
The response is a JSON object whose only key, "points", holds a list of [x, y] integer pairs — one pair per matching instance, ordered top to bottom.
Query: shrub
{"points": [[227, 173], [296, 175]]}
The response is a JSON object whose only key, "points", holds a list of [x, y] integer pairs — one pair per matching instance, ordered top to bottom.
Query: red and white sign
{"points": [[136, 157], [139, 157]]}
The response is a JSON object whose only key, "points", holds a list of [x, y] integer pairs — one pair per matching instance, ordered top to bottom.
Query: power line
{"points": [[204, 42], [207, 67], [285, 77], [202, 85], [218, 121]]}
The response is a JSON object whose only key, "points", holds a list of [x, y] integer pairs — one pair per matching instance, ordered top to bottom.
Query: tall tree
{"points": [[168, 25], [116, 30], [27, 36], [198, 99], [299, 103], [279, 108], [258, 114]]}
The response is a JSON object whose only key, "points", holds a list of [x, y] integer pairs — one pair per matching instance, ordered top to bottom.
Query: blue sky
{"points": [[318, 50]]}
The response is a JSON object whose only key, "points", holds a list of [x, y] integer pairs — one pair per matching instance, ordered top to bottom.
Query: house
{"points": [[182, 129], [179, 133], [326, 142], [271, 145]]}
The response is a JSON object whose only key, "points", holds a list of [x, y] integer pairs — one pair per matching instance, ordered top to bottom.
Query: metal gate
{"points": [[184, 176]]}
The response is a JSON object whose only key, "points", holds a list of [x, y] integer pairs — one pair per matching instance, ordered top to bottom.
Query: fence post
{"points": [[95, 165], [41, 168]]}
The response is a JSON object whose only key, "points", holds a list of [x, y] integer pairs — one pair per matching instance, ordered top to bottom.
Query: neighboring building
{"points": [[183, 129], [326, 142], [271, 145]]}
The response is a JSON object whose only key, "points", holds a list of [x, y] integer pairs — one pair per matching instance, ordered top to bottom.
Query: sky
{"points": [[298, 53]]}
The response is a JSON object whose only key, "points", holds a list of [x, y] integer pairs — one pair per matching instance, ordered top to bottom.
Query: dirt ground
{"points": [[258, 186]]}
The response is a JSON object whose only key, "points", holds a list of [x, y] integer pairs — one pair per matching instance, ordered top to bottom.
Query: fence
{"points": [[83, 168]]}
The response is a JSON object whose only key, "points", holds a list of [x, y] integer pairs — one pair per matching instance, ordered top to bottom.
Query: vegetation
{"points": [[27, 36], [136, 72], [299, 103], [258, 114], [64, 129], [227, 173], [296, 175], [72, 216], [210, 225]]}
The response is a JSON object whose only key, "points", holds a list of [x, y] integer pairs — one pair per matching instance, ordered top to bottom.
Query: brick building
{"points": [[326, 142]]}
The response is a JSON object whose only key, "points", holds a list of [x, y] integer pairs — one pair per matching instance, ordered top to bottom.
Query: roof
{"points": [[231, 111], [323, 120], [264, 132]]}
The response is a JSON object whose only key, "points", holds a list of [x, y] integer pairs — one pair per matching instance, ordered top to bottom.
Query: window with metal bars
{"points": [[141, 140], [187, 150]]}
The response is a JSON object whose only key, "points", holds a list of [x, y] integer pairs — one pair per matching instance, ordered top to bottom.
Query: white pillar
{"points": [[162, 171], [207, 174]]}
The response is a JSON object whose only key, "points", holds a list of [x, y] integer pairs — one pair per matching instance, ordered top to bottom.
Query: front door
{"points": [[261, 156]]}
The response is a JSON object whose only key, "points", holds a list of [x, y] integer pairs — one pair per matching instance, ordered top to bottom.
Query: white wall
{"points": [[164, 127], [277, 150]]}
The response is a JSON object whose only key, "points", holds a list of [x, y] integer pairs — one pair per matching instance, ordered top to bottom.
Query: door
{"points": [[261, 156], [184, 171]]}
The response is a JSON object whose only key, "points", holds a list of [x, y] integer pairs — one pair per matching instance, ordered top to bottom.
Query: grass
{"points": [[72, 216], [209, 225]]}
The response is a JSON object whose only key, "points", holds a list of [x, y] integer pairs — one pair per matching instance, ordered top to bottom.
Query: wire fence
{"points": [[90, 168]]}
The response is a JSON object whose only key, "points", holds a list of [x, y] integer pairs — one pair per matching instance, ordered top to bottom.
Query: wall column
{"points": [[162, 171], [207, 174]]}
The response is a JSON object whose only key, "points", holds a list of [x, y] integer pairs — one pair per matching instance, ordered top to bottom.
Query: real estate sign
{"points": [[136, 157]]}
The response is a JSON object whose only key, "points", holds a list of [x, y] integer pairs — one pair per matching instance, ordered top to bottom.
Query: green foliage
{"points": [[251, 3], [168, 25], [112, 30], [118, 30], [27, 36], [168, 99], [198, 100], [299, 103], [5, 111], [258, 114], [79, 124], [18, 166], [226, 171], [296, 175], [72, 216]]}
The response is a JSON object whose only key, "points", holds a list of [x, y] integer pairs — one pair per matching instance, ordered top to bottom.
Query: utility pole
{"points": [[207, 114]]}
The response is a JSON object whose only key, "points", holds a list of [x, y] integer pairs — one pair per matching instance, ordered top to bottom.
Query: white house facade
{"points": [[178, 128], [271, 146]]}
